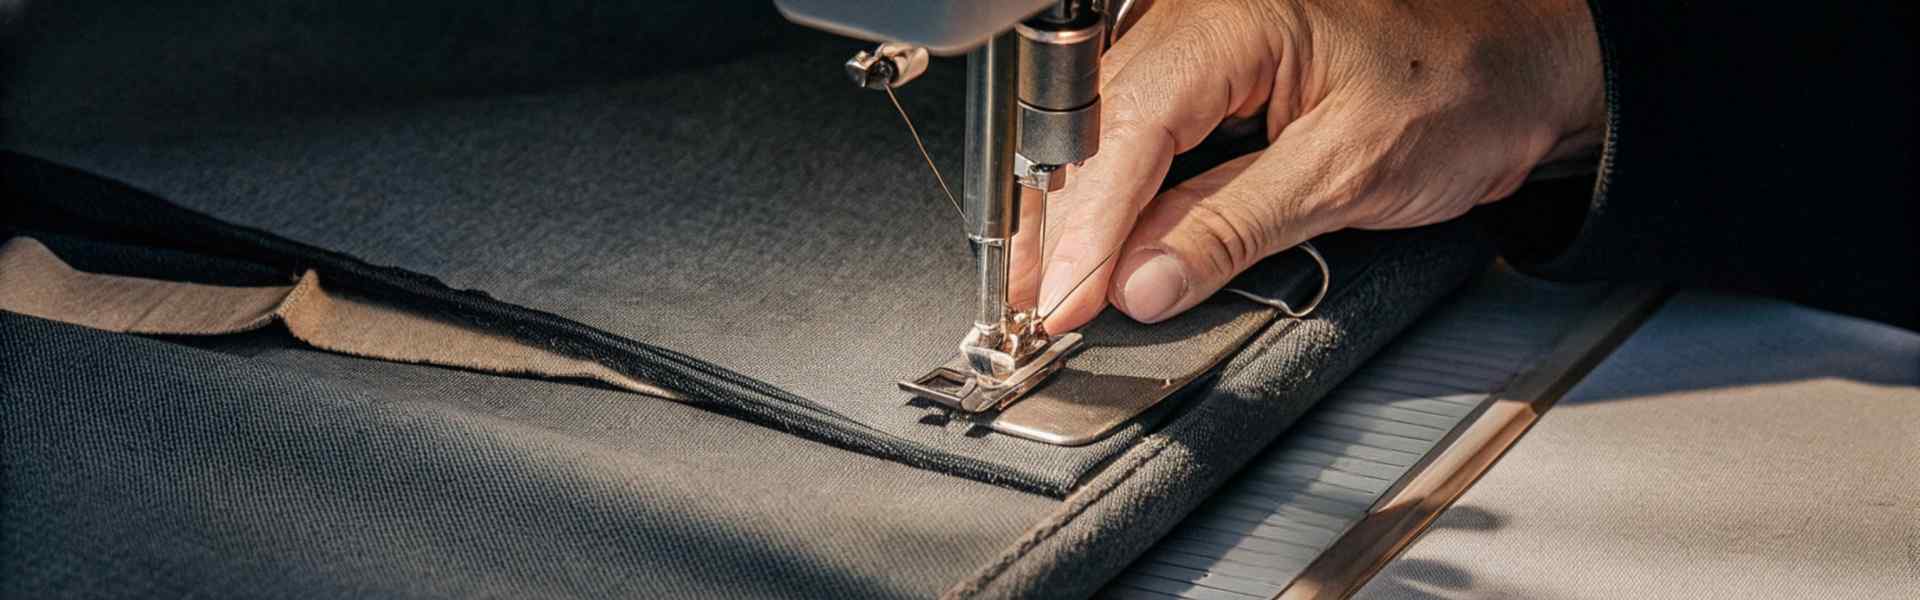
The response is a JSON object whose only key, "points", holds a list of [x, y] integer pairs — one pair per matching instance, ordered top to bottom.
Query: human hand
{"points": [[1380, 114]]}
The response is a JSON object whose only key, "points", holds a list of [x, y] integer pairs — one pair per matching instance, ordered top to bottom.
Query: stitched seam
{"points": [[1040, 535], [1037, 536]]}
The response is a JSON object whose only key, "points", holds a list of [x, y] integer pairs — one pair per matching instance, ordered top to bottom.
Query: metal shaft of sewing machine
{"points": [[1032, 108], [991, 196]]}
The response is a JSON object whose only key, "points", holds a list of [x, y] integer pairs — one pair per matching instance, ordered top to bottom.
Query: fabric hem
{"points": [[1060, 520]]}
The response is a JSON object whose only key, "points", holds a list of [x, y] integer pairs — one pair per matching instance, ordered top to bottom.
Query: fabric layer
{"points": [[755, 214], [801, 248], [35, 282], [136, 467], [1117, 516]]}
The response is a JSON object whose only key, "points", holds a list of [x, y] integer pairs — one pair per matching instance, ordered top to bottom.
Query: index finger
{"points": [[1202, 65]]}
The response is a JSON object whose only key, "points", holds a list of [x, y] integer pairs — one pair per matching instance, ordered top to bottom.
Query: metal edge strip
{"points": [[1393, 524]]}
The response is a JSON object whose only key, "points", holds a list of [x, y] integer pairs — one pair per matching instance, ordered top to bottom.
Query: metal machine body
{"points": [[944, 27], [1033, 108]]}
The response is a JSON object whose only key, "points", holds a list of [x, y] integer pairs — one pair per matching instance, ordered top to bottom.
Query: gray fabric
{"points": [[758, 212], [762, 215], [1383, 295], [1732, 448], [136, 467]]}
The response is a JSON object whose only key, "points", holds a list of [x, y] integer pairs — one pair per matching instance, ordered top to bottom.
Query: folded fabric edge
{"points": [[102, 208], [35, 281], [1117, 515]]}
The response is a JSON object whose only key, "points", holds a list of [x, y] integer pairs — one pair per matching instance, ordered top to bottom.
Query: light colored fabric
{"points": [[34, 281], [1732, 448]]}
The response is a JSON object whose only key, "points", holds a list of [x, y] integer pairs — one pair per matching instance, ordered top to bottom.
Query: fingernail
{"points": [[1154, 287]]}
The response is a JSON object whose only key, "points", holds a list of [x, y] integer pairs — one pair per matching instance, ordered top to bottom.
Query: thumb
{"points": [[1194, 238]]}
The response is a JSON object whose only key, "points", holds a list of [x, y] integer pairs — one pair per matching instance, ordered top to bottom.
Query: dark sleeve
{"points": [[1764, 147]]}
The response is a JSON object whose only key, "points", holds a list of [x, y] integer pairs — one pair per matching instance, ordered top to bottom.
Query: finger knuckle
{"points": [[1218, 12], [1213, 36], [1137, 130], [1357, 174], [1230, 239]]}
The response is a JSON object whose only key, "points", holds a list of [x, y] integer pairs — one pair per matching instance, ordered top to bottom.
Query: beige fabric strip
{"points": [[34, 281]]}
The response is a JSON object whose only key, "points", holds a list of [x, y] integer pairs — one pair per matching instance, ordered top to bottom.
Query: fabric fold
{"points": [[36, 282]]}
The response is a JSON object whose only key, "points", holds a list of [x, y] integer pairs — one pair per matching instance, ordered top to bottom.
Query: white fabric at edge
{"points": [[1732, 448]]}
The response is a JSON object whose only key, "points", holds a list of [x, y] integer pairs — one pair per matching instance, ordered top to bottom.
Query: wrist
{"points": [[1581, 81]]}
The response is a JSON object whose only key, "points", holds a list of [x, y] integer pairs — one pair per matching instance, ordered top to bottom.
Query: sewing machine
{"points": [[1033, 108]]}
